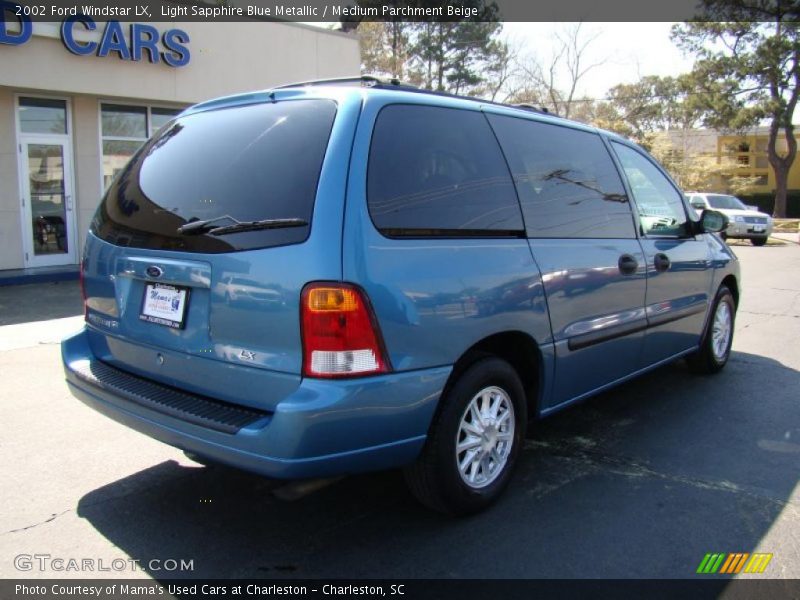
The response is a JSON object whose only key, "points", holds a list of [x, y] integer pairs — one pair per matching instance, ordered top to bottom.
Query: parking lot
{"points": [[642, 481]]}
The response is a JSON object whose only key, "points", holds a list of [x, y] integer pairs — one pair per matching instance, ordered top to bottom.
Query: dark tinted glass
{"points": [[42, 115], [160, 117], [124, 121], [254, 162], [438, 171], [567, 182]]}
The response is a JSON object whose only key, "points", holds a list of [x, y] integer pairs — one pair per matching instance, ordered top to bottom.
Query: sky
{"points": [[627, 51]]}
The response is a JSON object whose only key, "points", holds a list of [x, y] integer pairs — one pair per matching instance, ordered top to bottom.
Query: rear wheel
{"points": [[758, 241], [715, 348], [474, 441]]}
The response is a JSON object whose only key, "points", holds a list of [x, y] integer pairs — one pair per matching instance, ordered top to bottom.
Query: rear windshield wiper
{"points": [[207, 226]]}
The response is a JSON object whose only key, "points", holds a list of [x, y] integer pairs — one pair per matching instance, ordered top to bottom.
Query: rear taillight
{"points": [[82, 280], [341, 337]]}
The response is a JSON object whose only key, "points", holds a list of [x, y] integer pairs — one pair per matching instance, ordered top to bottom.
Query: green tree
{"points": [[385, 48], [458, 56], [461, 56], [747, 70], [652, 104], [691, 169]]}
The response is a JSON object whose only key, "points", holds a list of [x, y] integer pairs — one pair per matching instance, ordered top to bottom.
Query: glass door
{"points": [[48, 203]]}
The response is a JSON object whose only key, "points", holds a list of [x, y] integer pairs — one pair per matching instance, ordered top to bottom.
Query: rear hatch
{"points": [[199, 251]]}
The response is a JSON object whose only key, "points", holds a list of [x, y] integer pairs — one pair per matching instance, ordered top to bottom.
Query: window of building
{"points": [[42, 115], [124, 130], [439, 172], [567, 183], [661, 209]]}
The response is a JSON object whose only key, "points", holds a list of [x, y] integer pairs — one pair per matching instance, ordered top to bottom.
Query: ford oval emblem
{"points": [[154, 271]]}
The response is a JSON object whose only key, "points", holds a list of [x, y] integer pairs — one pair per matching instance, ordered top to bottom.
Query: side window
{"points": [[439, 172], [567, 183], [661, 208]]}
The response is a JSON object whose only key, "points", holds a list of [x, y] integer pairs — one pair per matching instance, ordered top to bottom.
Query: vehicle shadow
{"points": [[39, 302], [641, 481]]}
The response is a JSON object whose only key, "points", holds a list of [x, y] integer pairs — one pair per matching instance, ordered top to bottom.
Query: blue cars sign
{"points": [[133, 43]]}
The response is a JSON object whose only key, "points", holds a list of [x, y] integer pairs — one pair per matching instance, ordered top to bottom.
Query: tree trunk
{"points": [[395, 50], [440, 54], [781, 164], [781, 184]]}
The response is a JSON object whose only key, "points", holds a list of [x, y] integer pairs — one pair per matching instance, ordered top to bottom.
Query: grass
{"points": [[787, 225], [770, 242]]}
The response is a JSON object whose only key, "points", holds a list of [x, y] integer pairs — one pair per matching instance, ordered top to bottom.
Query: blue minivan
{"points": [[350, 275]]}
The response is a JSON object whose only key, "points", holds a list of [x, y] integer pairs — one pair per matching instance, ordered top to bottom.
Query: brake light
{"points": [[341, 337]]}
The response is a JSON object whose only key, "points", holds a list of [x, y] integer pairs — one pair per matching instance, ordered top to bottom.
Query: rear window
{"points": [[251, 163], [439, 172]]}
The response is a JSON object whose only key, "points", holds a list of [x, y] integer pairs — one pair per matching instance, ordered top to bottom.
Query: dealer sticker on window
{"points": [[164, 304]]}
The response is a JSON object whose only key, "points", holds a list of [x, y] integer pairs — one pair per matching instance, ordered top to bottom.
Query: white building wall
{"points": [[226, 58], [10, 206]]}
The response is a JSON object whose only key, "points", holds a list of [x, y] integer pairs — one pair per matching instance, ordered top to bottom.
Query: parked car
{"points": [[744, 222], [449, 269]]}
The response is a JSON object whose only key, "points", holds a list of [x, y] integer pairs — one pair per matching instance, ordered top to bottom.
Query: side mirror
{"points": [[713, 221]]}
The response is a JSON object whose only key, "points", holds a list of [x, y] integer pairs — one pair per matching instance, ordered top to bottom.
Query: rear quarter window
{"points": [[439, 172]]}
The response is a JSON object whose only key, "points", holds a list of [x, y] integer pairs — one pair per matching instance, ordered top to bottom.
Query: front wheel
{"points": [[715, 348], [474, 441]]}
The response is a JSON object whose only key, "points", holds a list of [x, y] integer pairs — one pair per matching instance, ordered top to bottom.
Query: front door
{"points": [[48, 201], [678, 262]]}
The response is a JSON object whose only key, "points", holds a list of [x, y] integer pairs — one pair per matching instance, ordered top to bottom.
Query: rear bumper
{"points": [[323, 428]]}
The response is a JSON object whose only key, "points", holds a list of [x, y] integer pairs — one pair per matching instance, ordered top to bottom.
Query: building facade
{"points": [[77, 98], [747, 154], [741, 158]]}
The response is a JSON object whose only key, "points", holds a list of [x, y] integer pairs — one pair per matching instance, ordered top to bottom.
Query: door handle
{"points": [[68, 202], [661, 262], [627, 264]]}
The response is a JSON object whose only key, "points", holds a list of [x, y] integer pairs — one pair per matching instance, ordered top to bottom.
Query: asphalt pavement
{"points": [[639, 482]]}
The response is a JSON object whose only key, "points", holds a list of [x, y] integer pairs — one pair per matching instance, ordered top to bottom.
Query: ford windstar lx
{"points": [[351, 275]]}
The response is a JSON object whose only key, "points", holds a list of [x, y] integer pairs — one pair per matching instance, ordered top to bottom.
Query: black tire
{"points": [[724, 236], [758, 241], [706, 361], [434, 478]]}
